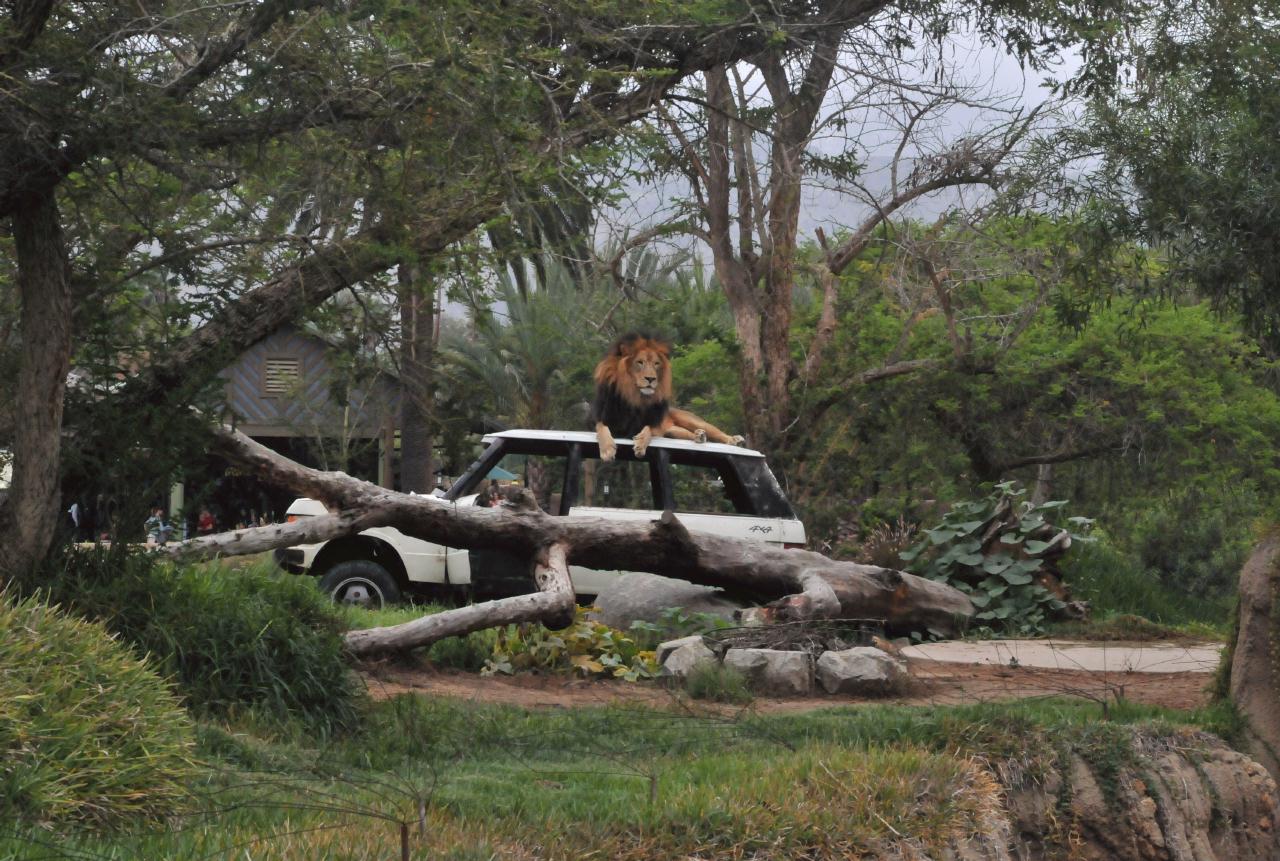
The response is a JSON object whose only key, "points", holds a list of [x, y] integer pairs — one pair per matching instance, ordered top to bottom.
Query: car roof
{"points": [[590, 437]]}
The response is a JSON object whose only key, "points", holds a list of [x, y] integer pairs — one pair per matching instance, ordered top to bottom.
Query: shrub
{"points": [[1196, 540], [885, 544], [996, 551], [1115, 583], [234, 640], [90, 733]]}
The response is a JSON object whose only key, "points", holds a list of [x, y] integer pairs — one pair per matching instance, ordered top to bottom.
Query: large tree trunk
{"points": [[417, 349], [29, 520], [801, 584]]}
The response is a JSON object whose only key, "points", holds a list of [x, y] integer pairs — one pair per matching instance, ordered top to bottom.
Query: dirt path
{"points": [[932, 683]]}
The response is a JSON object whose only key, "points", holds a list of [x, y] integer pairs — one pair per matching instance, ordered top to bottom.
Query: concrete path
{"points": [[1067, 655]]}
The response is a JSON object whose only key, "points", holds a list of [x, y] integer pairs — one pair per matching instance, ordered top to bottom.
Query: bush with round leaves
{"points": [[1001, 552], [90, 733]]}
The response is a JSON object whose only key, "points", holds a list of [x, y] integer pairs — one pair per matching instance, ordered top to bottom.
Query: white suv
{"points": [[713, 488]]}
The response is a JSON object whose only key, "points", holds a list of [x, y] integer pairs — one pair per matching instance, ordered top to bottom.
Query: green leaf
{"points": [[1033, 546], [996, 564], [1016, 578], [980, 600]]}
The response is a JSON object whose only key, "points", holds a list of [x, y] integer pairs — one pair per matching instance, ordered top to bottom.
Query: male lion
{"points": [[633, 398]]}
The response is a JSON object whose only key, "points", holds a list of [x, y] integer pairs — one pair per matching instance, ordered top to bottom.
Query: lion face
{"points": [[639, 368], [645, 368]]}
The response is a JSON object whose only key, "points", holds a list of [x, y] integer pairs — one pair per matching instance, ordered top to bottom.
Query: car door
{"points": [[624, 490]]}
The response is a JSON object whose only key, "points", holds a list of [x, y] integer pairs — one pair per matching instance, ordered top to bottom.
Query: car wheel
{"points": [[362, 583]]}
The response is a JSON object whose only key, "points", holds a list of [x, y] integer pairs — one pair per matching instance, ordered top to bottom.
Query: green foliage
{"points": [[1189, 165], [1196, 539], [999, 576], [1115, 583], [673, 623], [234, 641], [586, 647], [714, 681], [90, 732]]}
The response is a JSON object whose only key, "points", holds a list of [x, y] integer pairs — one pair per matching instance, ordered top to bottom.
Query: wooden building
{"points": [[286, 393]]}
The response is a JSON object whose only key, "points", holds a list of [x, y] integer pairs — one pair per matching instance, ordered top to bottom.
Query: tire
{"points": [[361, 582]]}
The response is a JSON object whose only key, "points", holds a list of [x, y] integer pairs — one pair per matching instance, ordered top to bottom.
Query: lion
{"points": [[633, 398]]}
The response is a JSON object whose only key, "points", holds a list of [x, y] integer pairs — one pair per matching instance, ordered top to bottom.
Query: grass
{"points": [[1116, 588], [712, 680], [90, 733], [615, 782]]}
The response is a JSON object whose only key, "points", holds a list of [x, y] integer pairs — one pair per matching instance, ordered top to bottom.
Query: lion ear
{"points": [[664, 348]]}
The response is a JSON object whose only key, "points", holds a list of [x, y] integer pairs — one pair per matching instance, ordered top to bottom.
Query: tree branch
{"points": [[808, 585]]}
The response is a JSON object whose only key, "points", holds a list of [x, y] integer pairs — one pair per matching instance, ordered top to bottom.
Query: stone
{"points": [[636, 596], [664, 649], [682, 661], [861, 670], [772, 671]]}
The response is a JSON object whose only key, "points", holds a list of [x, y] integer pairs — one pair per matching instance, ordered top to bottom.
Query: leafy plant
{"points": [[997, 551], [673, 623], [585, 646]]}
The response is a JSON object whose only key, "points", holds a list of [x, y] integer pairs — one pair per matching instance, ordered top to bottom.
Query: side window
{"points": [[543, 475], [618, 484], [703, 490]]}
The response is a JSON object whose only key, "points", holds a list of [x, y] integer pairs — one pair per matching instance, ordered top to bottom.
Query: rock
{"points": [[636, 596], [664, 649], [681, 661], [861, 670], [1255, 670], [771, 671]]}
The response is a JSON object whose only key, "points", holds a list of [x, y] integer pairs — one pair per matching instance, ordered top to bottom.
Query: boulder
{"points": [[636, 596], [664, 649], [682, 660], [1255, 667], [861, 670], [771, 671]]}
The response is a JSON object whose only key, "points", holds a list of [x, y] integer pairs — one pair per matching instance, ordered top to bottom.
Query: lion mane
{"points": [[620, 404]]}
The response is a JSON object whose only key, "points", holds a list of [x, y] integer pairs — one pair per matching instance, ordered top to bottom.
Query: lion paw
{"points": [[699, 435], [738, 439], [641, 447], [608, 451]]}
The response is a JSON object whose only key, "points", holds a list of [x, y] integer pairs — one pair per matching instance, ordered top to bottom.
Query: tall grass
{"points": [[1115, 584], [237, 642], [89, 732]]}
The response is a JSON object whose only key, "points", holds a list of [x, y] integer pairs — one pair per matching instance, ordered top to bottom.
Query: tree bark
{"points": [[417, 352], [29, 519], [800, 584]]}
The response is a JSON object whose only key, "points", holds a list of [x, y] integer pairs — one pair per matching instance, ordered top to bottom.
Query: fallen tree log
{"points": [[798, 584]]}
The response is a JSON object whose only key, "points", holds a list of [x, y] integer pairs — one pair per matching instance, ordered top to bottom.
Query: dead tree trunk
{"points": [[799, 584]]}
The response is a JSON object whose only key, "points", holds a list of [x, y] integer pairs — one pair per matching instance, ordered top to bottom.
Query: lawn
{"points": [[465, 780]]}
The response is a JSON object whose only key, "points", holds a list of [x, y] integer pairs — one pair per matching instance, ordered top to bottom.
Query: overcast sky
{"points": [[987, 71]]}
